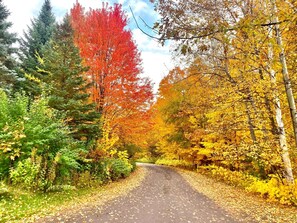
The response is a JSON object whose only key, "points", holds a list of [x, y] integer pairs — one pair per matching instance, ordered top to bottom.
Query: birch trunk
{"points": [[285, 72], [279, 122], [283, 142]]}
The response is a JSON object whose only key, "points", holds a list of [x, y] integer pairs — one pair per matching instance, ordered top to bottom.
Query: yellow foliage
{"points": [[32, 78], [109, 138], [12, 145], [206, 151], [175, 163], [273, 189]]}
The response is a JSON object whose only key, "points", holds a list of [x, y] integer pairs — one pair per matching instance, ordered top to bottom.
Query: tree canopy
{"points": [[37, 35]]}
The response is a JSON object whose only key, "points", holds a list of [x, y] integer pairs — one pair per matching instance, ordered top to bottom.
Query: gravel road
{"points": [[163, 196]]}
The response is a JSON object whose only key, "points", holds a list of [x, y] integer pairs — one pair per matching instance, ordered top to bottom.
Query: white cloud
{"points": [[67, 5], [140, 6], [21, 13], [147, 43], [156, 58], [156, 66]]}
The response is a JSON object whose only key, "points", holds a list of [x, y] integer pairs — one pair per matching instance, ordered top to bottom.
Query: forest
{"points": [[75, 110]]}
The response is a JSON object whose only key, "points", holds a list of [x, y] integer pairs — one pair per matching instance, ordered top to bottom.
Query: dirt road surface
{"points": [[163, 197]]}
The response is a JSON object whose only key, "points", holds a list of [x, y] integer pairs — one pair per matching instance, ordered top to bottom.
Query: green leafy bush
{"points": [[12, 115], [28, 135], [38, 152], [133, 163], [113, 168], [102, 169], [120, 169], [25, 174]]}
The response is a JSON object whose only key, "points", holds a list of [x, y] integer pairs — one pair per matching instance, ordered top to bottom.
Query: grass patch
{"points": [[18, 204]]}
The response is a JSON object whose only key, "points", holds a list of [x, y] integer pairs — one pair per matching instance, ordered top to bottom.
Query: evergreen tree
{"points": [[35, 38], [8, 75], [66, 85]]}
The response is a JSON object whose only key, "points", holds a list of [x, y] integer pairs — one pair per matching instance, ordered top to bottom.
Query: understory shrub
{"points": [[36, 147], [38, 152], [133, 163], [114, 168], [120, 169], [25, 174], [233, 178], [84, 179], [272, 189]]}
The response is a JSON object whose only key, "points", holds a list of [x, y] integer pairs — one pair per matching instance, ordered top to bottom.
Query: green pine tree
{"points": [[31, 45], [8, 76], [66, 85]]}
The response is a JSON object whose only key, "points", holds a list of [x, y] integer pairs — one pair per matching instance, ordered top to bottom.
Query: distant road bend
{"points": [[163, 197]]}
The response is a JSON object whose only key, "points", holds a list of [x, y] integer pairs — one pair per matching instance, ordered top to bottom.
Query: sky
{"points": [[156, 59]]}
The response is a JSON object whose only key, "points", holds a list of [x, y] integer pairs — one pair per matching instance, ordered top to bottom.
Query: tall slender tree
{"points": [[35, 38], [107, 47], [285, 72], [8, 75], [66, 84]]}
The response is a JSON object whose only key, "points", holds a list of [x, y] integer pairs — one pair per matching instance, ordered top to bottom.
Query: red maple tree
{"points": [[107, 47]]}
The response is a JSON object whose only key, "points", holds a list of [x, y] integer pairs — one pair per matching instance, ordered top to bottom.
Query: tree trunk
{"points": [[285, 72], [279, 122]]}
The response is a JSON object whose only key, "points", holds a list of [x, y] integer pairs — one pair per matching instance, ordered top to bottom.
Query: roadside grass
{"points": [[17, 205]]}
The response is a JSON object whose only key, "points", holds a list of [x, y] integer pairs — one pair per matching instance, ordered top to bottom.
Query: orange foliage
{"points": [[106, 46]]}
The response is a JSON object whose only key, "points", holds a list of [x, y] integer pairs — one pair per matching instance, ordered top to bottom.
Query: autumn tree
{"points": [[106, 46], [283, 61], [169, 123]]}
